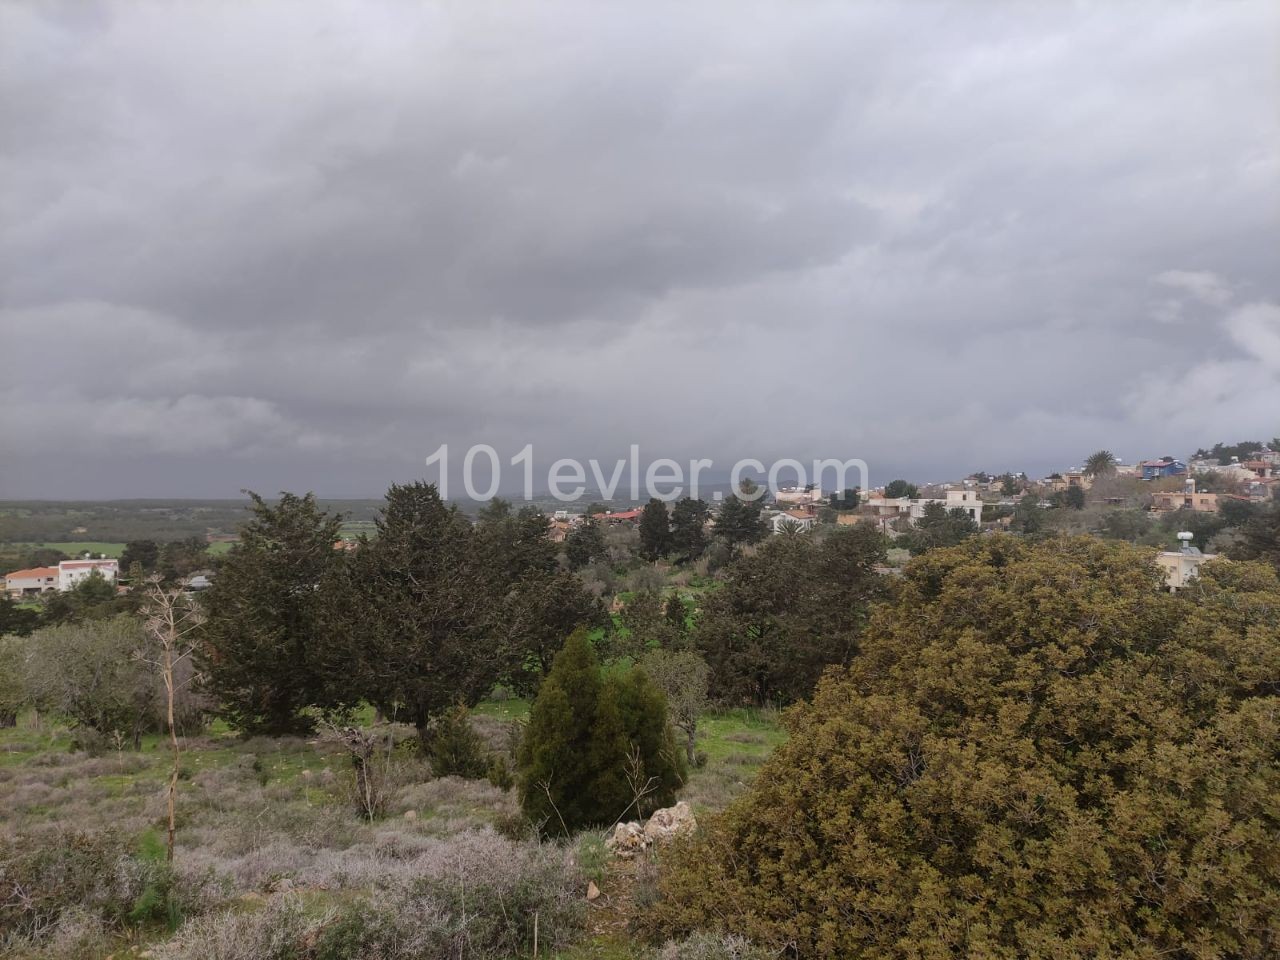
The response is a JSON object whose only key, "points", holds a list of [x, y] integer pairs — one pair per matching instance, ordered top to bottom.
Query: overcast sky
{"points": [[301, 244]]}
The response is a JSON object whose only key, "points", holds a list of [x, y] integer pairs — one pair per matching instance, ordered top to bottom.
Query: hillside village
{"points": [[1157, 490]]}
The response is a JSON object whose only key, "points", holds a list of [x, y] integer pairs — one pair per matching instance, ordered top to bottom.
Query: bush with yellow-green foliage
{"points": [[1039, 753]]}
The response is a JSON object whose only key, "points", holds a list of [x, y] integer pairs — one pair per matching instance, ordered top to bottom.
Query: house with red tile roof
{"points": [[31, 583]]}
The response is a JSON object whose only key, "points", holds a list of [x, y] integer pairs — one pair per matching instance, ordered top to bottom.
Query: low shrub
{"points": [[454, 749], [500, 774], [94, 876], [476, 896], [276, 932], [711, 946]]}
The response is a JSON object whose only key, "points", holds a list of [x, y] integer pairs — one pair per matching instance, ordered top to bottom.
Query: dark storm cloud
{"points": [[302, 244]]}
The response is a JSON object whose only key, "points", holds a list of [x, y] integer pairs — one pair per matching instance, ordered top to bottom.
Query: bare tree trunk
{"points": [[171, 618], [173, 743], [691, 744]]}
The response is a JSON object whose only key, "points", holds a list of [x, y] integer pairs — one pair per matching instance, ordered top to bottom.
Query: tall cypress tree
{"points": [[740, 520], [688, 528], [655, 530]]}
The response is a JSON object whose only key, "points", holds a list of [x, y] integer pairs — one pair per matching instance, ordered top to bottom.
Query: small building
{"points": [[1164, 467], [1261, 469], [1059, 482], [1260, 491], [799, 496], [1188, 499], [886, 509], [623, 516], [800, 521], [1182, 566], [72, 572], [31, 582]]}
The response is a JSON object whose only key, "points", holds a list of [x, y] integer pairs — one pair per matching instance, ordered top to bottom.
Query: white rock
{"points": [[670, 822]]}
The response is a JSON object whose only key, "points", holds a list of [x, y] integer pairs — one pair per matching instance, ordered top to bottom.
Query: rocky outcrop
{"points": [[630, 839]]}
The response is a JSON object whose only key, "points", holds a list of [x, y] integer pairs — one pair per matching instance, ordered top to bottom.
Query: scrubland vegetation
{"points": [[273, 851]]}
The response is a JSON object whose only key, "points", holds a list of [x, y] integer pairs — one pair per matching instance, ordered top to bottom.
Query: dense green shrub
{"points": [[598, 747], [454, 749], [1038, 753]]}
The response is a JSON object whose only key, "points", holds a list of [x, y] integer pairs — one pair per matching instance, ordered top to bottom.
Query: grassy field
{"points": [[259, 816]]}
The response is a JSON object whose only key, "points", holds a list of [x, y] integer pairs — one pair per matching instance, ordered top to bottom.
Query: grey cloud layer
{"points": [[302, 244]]}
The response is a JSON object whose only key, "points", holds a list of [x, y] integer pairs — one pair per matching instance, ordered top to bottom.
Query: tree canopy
{"points": [[1100, 463], [901, 488], [740, 519], [655, 530], [786, 612], [263, 643], [1037, 753]]}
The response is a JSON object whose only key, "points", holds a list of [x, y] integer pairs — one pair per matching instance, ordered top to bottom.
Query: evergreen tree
{"points": [[901, 488], [1074, 499], [846, 500], [1028, 515], [740, 519], [939, 527], [689, 528], [655, 530], [1260, 537], [585, 544], [511, 545], [143, 552], [181, 558], [92, 598], [420, 606], [539, 612], [787, 612], [676, 613], [15, 620], [645, 624], [262, 643], [596, 749], [1038, 752]]}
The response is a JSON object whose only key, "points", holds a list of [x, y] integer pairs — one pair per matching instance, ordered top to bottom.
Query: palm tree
{"points": [[1100, 464]]}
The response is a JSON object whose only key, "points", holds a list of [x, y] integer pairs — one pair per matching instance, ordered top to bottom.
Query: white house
{"points": [[798, 496], [966, 500], [891, 508], [797, 520], [71, 572], [32, 582]]}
